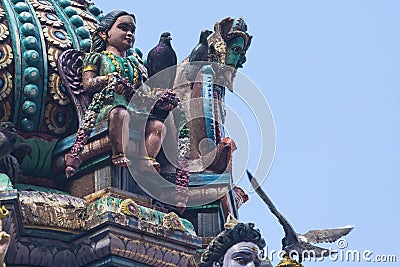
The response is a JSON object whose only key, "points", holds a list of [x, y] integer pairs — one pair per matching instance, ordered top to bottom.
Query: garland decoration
{"points": [[104, 97]]}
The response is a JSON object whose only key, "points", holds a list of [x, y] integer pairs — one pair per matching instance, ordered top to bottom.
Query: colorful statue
{"points": [[114, 36], [227, 48], [114, 76], [239, 245]]}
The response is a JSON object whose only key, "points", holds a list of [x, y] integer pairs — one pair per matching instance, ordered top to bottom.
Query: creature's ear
{"points": [[249, 42]]}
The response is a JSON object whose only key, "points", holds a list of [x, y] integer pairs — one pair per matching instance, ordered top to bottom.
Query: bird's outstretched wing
{"points": [[289, 231], [327, 235]]}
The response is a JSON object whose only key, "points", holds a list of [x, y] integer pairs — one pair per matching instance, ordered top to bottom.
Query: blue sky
{"points": [[330, 73]]}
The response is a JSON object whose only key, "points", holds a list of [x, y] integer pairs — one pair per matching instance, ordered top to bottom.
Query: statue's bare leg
{"points": [[118, 132], [154, 135], [169, 158]]}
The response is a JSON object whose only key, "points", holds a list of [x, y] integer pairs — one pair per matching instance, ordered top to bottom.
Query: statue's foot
{"points": [[120, 160], [217, 160], [149, 164], [69, 171]]}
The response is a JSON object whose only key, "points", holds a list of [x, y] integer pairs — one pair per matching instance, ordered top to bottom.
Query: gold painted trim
{"points": [[129, 207]]}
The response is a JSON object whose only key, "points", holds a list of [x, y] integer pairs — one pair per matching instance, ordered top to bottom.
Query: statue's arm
{"points": [[91, 80]]}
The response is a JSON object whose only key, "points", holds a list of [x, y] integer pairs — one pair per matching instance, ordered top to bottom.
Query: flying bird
{"points": [[198, 54], [162, 57], [11, 154], [297, 242]]}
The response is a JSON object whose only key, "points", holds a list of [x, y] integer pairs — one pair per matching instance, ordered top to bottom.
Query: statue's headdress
{"points": [[226, 30], [235, 232]]}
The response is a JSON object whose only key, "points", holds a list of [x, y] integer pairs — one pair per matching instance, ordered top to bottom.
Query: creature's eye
{"points": [[237, 50], [240, 260]]}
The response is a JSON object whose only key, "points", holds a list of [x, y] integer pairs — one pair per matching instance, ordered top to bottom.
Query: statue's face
{"points": [[122, 33], [234, 57], [234, 60], [242, 254]]}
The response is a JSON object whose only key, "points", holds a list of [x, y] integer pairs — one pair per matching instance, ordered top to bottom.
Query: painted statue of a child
{"points": [[113, 38]]}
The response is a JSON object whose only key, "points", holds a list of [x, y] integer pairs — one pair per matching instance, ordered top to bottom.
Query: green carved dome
{"points": [[33, 34]]}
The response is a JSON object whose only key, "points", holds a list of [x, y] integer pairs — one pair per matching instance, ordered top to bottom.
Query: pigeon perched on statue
{"points": [[198, 54], [161, 60], [8, 137], [11, 154], [301, 244]]}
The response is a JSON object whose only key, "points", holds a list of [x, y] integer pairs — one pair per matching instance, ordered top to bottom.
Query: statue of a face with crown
{"points": [[228, 47], [240, 244]]}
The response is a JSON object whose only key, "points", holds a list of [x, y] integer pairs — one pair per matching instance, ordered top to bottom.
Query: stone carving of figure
{"points": [[114, 36], [228, 47], [227, 52], [239, 245]]}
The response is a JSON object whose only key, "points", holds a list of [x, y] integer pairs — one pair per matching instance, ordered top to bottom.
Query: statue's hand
{"points": [[112, 78], [121, 85], [120, 89], [168, 100], [167, 107]]}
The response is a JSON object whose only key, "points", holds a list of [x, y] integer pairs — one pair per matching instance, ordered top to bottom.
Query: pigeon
{"points": [[198, 54], [161, 57], [8, 137], [11, 154], [297, 242]]}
